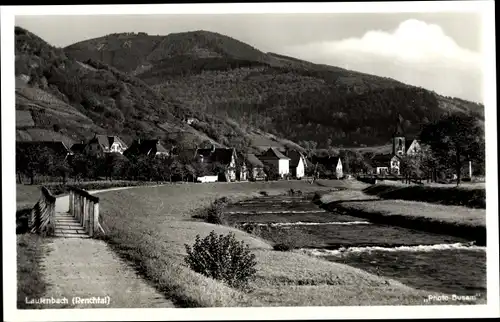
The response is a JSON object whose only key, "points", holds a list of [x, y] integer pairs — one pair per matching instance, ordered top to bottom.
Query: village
{"points": [[221, 164]]}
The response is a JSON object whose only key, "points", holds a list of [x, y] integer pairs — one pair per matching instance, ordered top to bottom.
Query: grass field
{"points": [[27, 196], [149, 227], [29, 279]]}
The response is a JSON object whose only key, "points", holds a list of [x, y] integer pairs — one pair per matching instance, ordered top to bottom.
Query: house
{"points": [[101, 144], [414, 147], [55, 148], [152, 148], [224, 157], [273, 157], [298, 163], [331, 163], [384, 164], [254, 167], [242, 172]]}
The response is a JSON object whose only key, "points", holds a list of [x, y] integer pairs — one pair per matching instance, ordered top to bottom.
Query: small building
{"points": [[101, 144], [414, 147], [152, 148], [224, 157], [273, 157], [298, 163], [384, 164], [254, 167], [206, 179]]}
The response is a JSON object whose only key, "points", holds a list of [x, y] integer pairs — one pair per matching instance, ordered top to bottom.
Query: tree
{"points": [[455, 139], [332, 151], [34, 160], [429, 163], [410, 167], [61, 168], [177, 170], [271, 172]]}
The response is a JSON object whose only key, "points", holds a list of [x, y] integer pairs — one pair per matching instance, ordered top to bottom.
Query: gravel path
{"points": [[86, 268]]}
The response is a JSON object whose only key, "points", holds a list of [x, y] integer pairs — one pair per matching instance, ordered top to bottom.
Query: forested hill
{"points": [[238, 93], [61, 98]]}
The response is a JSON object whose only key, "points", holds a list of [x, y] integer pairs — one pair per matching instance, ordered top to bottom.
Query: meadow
{"points": [[150, 226]]}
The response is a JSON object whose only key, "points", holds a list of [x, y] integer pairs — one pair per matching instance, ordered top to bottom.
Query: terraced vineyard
{"points": [[432, 262]]}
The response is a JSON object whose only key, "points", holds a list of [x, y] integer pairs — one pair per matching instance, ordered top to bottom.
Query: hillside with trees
{"points": [[134, 84], [61, 98]]}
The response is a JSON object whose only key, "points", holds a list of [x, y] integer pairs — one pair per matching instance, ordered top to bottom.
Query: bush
{"points": [[264, 193], [215, 213], [282, 247], [222, 258]]}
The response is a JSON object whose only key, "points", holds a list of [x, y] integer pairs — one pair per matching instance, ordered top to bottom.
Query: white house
{"points": [[100, 144], [414, 148], [225, 157], [275, 158], [297, 163], [385, 163], [254, 168]]}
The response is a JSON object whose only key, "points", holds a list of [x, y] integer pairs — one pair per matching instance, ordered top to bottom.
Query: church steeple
{"points": [[398, 138]]}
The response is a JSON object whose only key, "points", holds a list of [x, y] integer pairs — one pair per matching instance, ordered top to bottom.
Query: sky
{"points": [[439, 51]]}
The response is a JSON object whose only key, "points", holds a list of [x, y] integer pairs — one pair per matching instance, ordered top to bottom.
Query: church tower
{"points": [[398, 139]]}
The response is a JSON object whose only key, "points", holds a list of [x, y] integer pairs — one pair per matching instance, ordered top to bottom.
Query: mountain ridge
{"points": [[143, 82]]}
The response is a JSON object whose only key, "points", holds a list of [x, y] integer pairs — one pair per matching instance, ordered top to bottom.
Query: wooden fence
{"points": [[85, 208], [42, 217]]}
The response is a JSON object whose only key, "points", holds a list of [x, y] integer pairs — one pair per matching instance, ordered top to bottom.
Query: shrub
{"points": [[264, 193], [215, 213], [284, 241], [282, 247], [222, 258]]}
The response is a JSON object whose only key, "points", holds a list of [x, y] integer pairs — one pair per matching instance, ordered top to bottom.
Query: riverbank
{"points": [[469, 195], [459, 221]]}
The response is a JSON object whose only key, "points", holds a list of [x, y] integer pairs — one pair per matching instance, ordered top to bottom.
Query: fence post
{"points": [[71, 202], [76, 204], [80, 209], [84, 210], [89, 215], [96, 216], [52, 218], [91, 218]]}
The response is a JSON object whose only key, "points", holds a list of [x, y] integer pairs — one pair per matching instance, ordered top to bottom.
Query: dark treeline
{"points": [[40, 162]]}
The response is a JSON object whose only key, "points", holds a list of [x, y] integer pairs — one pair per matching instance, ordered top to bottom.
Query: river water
{"points": [[428, 261]]}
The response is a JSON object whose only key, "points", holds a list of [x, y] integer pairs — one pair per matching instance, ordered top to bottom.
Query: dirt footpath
{"points": [[87, 268]]}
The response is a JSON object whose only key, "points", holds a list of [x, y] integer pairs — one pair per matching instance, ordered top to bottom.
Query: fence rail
{"points": [[85, 208], [42, 217]]}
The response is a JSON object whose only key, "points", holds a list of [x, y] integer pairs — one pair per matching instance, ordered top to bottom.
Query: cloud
{"points": [[416, 53]]}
